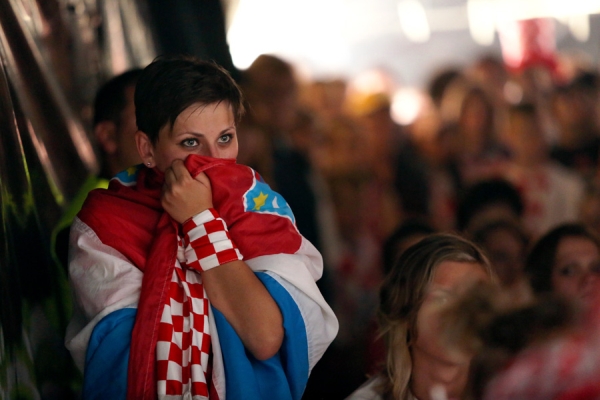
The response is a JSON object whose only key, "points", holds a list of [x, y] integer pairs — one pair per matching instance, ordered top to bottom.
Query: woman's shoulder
{"points": [[370, 390]]}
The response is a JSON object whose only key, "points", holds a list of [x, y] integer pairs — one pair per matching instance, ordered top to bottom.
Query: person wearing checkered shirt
{"points": [[189, 275]]}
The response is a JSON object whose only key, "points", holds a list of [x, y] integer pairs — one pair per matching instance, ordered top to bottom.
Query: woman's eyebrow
{"points": [[197, 134]]}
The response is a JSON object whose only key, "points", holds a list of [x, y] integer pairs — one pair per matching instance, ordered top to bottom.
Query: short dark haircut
{"points": [[440, 82], [170, 84], [110, 100], [528, 109], [484, 194], [480, 235], [542, 256]]}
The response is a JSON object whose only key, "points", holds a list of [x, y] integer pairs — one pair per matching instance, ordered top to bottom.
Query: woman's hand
{"points": [[183, 195]]}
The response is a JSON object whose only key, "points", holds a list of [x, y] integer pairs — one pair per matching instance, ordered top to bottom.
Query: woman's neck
{"points": [[429, 372]]}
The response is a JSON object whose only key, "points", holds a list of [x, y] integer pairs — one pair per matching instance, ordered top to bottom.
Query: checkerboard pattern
{"points": [[207, 241], [183, 349]]}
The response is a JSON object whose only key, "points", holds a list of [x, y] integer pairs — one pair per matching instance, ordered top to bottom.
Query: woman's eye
{"points": [[225, 138], [189, 142], [568, 270]]}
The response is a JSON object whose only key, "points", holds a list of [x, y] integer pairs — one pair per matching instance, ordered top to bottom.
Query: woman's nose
{"points": [[214, 152]]}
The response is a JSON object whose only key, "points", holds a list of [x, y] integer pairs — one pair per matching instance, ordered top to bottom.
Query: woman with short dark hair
{"points": [[189, 276]]}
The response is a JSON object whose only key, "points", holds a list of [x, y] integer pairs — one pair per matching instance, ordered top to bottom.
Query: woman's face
{"points": [[475, 116], [207, 130], [525, 138], [506, 252], [576, 270], [450, 280]]}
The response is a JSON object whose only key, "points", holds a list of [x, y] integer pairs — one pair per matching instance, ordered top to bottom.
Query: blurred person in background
{"points": [[489, 72], [440, 82], [271, 91], [326, 97], [575, 110], [114, 123], [114, 130], [303, 135], [436, 136], [276, 137], [381, 141], [339, 150], [463, 151], [480, 154], [341, 159], [398, 172], [444, 177], [376, 183], [551, 193], [487, 201], [590, 205], [490, 214], [407, 234], [404, 236], [506, 244], [566, 261], [424, 281], [525, 348], [552, 352]]}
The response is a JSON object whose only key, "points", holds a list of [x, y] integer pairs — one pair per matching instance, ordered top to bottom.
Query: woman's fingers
{"points": [[180, 172], [177, 176], [170, 177], [203, 179], [184, 196]]}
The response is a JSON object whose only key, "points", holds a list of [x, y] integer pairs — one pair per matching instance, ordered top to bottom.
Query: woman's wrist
{"points": [[200, 218], [207, 241]]}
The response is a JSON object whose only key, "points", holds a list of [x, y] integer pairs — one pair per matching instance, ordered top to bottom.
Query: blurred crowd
{"points": [[499, 156]]}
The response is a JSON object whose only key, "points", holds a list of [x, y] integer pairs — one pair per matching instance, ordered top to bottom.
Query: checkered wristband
{"points": [[207, 241]]}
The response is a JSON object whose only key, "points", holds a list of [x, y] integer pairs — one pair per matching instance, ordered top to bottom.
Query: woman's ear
{"points": [[145, 148]]}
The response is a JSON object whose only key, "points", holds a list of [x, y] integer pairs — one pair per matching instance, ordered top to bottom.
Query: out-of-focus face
{"points": [[273, 100], [475, 116], [207, 130], [525, 138], [507, 254], [576, 270], [450, 280]]}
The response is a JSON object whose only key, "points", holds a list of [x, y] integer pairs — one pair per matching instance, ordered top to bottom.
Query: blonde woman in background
{"points": [[424, 281]]}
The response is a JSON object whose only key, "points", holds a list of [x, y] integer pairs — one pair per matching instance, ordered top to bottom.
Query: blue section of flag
{"points": [[128, 177], [261, 198], [107, 357], [281, 377]]}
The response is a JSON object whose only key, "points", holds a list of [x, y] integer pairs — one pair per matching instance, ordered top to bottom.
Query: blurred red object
{"points": [[529, 43], [566, 367]]}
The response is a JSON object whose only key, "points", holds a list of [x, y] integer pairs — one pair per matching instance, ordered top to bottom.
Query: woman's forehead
{"points": [[452, 274]]}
